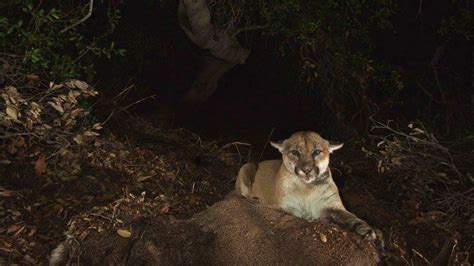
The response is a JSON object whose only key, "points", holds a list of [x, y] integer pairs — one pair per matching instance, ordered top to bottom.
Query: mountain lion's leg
{"points": [[243, 184], [348, 220]]}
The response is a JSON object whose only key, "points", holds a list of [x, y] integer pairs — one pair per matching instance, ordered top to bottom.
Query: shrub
{"points": [[40, 37]]}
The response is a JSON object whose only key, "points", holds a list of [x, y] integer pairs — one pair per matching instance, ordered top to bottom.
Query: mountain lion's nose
{"points": [[307, 170]]}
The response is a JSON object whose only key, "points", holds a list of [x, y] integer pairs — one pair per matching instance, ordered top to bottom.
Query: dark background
{"points": [[264, 93]]}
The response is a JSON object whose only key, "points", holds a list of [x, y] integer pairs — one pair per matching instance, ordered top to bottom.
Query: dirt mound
{"points": [[233, 231], [251, 233], [158, 241]]}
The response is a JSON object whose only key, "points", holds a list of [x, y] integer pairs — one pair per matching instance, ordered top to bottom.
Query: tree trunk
{"points": [[224, 49], [205, 85]]}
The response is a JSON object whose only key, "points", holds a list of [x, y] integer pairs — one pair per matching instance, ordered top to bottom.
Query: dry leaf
{"points": [[79, 84], [12, 95], [62, 97], [58, 107], [12, 112], [29, 124], [97, 126], [418, 130], [89, 133], [78, 139], [20, 142], [40, 165], [143, 178], [6, 193], [165, 209], [13, 228], [20, 230], [32, 232], [124, 233], [83, 235], [323, 237]]}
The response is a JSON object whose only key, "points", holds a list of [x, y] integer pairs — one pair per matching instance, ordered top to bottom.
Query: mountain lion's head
{"points": [[306, 154]]}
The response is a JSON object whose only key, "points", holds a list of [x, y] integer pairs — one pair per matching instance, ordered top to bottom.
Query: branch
{"points": [[86, 17], [195, 19], [255, 27]]}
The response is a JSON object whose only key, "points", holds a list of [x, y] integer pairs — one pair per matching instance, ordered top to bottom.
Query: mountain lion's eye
{"points": [[295, 153], [316, 153]]}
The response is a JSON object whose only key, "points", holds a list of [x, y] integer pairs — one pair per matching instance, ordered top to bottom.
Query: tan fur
{"points": [[300, 183], [243, 184]]}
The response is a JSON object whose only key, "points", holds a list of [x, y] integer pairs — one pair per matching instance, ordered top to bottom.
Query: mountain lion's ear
{"points": [[278, 145], [334, 146]]}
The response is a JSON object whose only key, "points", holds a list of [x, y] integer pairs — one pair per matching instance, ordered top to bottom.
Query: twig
{"points": [[86, 17], [255, 27], [124, 92], [429, 94], [137, 102], [384, 126], [9, 135], [433, 142], [236, 143], [266, 143], [101, 216], [446, 252], [421, 256]]}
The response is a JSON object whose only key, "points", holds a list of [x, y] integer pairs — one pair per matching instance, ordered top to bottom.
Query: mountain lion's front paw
{"points": [[366, 231]]}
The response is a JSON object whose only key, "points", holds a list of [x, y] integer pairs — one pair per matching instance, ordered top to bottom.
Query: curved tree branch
{"points": [[86, 17], [195, 20], [256, 27]]}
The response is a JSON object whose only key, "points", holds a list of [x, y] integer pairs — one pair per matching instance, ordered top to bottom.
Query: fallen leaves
{"points": [[57, 106], [12, 113], [49, 118], [40, 165], [6, 193], [95, 204], [165, 209], [124, 233]]}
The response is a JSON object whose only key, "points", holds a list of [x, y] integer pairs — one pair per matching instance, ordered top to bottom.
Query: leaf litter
{"points": [[148, 172]]}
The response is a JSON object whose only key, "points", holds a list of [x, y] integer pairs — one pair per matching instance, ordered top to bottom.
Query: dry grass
{"points": [[431, 180]]}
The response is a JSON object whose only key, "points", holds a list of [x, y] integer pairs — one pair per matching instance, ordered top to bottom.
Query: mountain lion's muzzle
{"points": [[308, 172]]}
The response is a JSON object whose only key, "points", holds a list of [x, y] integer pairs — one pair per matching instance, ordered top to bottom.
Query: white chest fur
{"points": [[307, 201]]}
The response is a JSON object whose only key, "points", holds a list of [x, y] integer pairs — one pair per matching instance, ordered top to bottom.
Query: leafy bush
{"points": [[41, 40], [333, 41], [332, 44], [343, 62]]}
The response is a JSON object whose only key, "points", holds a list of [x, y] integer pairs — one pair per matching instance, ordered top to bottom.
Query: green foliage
{"points": [[461, 24], [35, 33], [334, 44]]}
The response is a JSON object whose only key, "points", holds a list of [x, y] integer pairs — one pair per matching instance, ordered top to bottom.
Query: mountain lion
{"points": [[301, 183]]}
